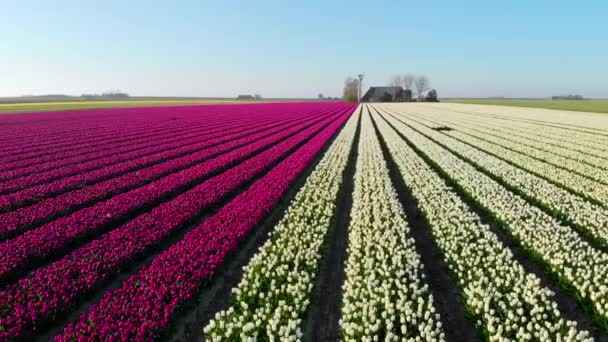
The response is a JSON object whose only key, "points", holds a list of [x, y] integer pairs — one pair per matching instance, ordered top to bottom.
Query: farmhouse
{"points": [[387, 94], [245, 97]]}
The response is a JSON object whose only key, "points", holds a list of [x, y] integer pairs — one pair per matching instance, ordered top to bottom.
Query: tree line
{"points": [[411, 84], [418, 84]]}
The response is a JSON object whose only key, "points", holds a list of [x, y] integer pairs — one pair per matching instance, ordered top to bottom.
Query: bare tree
{"points": [[396, 81], [408, 81], [421, 84], [351, 89], [321, 96]]}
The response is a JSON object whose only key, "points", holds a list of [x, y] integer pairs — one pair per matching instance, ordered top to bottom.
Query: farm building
{"points": [[387, 94], [245, 97]]}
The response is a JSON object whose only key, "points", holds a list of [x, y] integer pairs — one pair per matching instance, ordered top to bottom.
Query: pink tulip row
{"points": [[26, 128], [82, 128], [80, 131], [31, 133], [83, 134], [126, 134], [123, 135], [137, 140], [110, 143], [135, 149], [108, 153], [97, 163], [41, 176], [39, 192], [19, 220], [56, 236], [56, 287], [142, 308]]}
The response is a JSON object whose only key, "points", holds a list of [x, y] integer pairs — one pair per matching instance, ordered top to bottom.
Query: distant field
{"points": [[597, 106], [7, 108]]}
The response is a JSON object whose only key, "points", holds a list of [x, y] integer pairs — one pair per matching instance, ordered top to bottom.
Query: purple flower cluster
{"points": [[76, 130], [79, 135], [132, 137], [109, 142], [142, 145], [153, 145], [53, 188], [20, 219], [57, 235], [56, 287], [143, 306]]}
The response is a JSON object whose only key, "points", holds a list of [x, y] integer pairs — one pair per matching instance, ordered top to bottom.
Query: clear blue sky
{"points": [[298, 49]]}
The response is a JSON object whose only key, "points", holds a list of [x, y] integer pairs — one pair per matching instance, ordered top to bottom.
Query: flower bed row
{"points": [[580, 123], [83, 131], [528, 131], [79, 133], [82, 135], [108, 145], [567, 149], [574, 161], [97, 163], [39, 164], [573, 182], [576, 183], [37, 193], [588, 216], [23, 218], [56, 236], [580, 267], [274, 294], [385, 294], [506, 302], [143, 306]]}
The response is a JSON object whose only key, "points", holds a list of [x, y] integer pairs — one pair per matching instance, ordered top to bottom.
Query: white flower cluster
{"points": [[585, 122], [540, 135], [571, 138], [583, 143], [544, 149], [546, 154], [576, 182], [588, 216], [569, 257], [385, 294], [273, 296], [507, 303]]}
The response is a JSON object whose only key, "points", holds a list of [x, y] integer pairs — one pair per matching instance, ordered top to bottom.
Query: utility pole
{"points": [[360, 76]]}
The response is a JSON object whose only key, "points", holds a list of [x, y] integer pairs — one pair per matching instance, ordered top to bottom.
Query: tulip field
{"points": [[313, 221]]}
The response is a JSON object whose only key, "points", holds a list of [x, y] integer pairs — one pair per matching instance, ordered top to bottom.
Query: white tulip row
{"points": [[591, 122], [571, 137], [529, 140], [585, 150], [594, 172], [578, 184], [586, 215], [569, 257], [385, 295], [273, 296], [507, 303]]}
